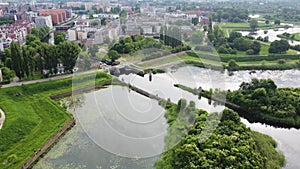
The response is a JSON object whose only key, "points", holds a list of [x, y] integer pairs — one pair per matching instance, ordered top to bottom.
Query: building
{"points": [[58, 15], [104, 15], [31, 16], [203, 20], [43, 21], [15, 32], [72, 35], [81, 35], [1, 77]]}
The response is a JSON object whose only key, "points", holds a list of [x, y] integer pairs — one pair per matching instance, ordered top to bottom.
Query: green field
{"points": [[244, 26], [294, 36], [245, 62], [32, 118]]}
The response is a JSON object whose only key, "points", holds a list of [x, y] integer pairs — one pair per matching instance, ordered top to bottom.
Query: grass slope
{"points": [[32, 118]]}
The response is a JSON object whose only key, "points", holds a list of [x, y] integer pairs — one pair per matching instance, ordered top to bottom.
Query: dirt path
{"points": [[48, 79], [2, 119]]}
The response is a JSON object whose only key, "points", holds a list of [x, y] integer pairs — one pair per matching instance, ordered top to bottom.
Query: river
{"points": [[272, 34], [93, 142]]}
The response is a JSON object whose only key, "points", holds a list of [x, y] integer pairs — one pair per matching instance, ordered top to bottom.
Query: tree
{"points": [[91, 15], [103, 21], [195, 21], [267, 22], [277, 22], [95, 23], [210, 25], [253, 25], [205, 28], [233, 36], [59, 37], [197, 37], [30, 38], [242, 44], [255, 46], [279, 46], [93, 50], [27, 52], [68, 53], [113, 55], [17, 59], [8, 63], [232, 65], [7, 75]]}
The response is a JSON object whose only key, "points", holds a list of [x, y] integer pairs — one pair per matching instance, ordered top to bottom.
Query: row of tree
{"points": [[230, 14], [171, 36], [234, 42], [41, 57]]}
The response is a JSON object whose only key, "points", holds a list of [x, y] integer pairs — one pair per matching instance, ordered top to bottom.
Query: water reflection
{"points": [[77, 150]]}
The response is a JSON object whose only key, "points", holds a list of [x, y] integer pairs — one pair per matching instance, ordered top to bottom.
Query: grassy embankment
{"points": [[244, 26], [294, 36], [209, 60], [32, 118]]}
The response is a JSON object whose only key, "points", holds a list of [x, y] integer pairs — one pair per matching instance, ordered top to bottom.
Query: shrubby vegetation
{"points": [[235, 42], [131, 44], [279, 46], [264, 102], [230, 145]]}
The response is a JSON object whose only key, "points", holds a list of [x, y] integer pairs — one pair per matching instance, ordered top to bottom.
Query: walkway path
{"points": [[48, 79], [2, 118]]}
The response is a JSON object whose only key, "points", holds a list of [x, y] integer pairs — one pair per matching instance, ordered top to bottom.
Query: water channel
{"points": [[98, 143]]}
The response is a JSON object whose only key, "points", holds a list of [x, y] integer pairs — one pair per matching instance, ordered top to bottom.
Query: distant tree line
{"points": [[230, 14]]}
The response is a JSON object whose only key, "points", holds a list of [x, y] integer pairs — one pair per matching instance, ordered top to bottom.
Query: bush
{"points": [[260, 38], [204, 48], [223, 50], [250, 52], [193, 54], [281, 61], [232, 65]]}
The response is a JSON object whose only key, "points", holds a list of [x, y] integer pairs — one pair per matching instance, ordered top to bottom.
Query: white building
{"points": [[104, 15], [43, 21], [72, 34], [82, 35], [1, 46], [1, 77]]}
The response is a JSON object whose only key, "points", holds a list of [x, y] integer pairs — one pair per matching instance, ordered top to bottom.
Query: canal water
{"points": [[272, 34], [118, 128]]}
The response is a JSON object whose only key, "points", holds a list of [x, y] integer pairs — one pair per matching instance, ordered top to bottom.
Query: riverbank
{"points": [[216, 62], [234, 101], [33, 118], [49, 144]]}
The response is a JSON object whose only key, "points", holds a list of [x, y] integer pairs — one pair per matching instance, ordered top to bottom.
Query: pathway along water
{"points": [[77, 150]]}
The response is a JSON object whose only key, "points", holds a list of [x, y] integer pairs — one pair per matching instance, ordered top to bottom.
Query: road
{"points": [[48, 79], [2, 119]]}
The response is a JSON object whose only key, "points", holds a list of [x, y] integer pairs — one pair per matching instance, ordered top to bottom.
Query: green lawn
{"points": [[229, 26], [32, 118]]}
